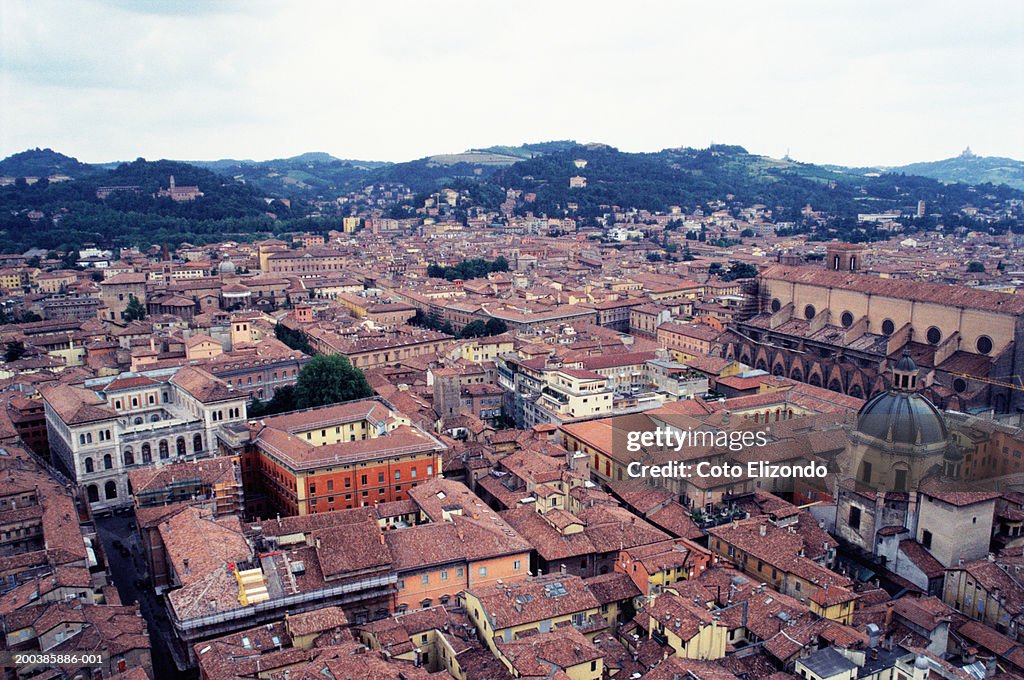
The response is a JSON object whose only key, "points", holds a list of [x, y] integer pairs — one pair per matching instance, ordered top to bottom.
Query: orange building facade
{"points": [[349, 455]]}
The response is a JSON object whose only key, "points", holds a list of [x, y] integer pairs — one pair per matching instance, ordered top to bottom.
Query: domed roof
{"points": [[226, 267], [906, 363], [902, 418]]}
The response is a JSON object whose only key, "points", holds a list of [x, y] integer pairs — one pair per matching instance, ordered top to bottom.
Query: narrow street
{"points": [[117, 534]]}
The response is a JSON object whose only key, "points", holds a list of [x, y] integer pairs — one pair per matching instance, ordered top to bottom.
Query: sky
{"points": [[851, 83]]}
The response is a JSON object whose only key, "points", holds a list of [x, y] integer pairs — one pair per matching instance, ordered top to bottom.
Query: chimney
{"points": [[762, 530], [873, 633]]}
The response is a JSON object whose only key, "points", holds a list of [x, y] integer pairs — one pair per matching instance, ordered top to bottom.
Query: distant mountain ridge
{"points": [[314, 172], [561, 178]]}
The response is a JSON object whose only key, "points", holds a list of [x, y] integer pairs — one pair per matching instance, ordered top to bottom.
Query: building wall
{"points": [[113, 446], [957, 533], [412, 591], [965, 594]]}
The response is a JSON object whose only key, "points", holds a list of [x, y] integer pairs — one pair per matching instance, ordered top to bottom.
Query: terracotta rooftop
{"points": [[915, 291]]}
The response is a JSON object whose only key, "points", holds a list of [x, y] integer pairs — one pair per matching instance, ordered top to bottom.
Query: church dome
{"points": [[226, 267], [902, 418]]}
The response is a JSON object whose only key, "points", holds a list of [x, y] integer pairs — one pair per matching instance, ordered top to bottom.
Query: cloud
{"points": [[857, 83]]}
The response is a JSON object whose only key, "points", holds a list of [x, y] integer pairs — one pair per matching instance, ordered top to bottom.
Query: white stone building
{"points": [[102, 429]]}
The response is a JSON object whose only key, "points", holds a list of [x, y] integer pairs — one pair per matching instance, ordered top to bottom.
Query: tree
{"points": [[975, 267], [739, 270], [134, 311], [496, 326], [474, 329], [295, 339], [15, 350], [328, 379], [282, 402]]}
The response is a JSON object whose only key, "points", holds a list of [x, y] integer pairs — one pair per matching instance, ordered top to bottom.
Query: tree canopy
{"points": [[468, 269], [134, 311], [295, 339], [329, 379]]}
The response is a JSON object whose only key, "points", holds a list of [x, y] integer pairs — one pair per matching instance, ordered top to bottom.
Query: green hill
{"points": [[43, 163], [971, 169], [306, 176], [691, 178], [240, 196], [73, 213]]}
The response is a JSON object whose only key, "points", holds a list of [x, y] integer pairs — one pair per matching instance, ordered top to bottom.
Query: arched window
{"points": [[776, 304], [809, 312], [846, 319], [888, 327], [933, 335], [984, 344], [155, 418], [138, 420], [197, 443], [181, 446], [163, 449], [147, 454], [129, 457], [108, 462], [88, 465], [110, 490], [93, 493]]}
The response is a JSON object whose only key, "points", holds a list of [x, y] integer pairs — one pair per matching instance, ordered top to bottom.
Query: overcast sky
{"points": [[853, 83]]}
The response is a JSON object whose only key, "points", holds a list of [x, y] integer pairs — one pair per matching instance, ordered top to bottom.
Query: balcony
{"points": [[555, 396], [171, 427]]}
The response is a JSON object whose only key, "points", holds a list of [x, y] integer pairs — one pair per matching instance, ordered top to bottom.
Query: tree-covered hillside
{"points": [[43, 163], [971, 169], [307, 176], [690, 178], [238, 200], [53, 215]]}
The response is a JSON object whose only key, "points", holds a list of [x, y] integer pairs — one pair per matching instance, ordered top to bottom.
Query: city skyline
{"points": [[255, 80]]}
